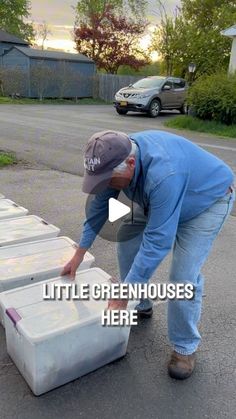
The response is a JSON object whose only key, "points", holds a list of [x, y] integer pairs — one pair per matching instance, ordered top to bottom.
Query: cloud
{"points": [[153, 10], [54, 12], [61, 13], [60, 16], [63, 26], [63, 44]]}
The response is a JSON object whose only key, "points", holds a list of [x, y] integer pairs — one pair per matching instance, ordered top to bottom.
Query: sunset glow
{"points": [[145, 43], [63, 44], [68, 45]]}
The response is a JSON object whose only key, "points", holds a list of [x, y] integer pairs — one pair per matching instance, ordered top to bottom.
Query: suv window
{"points": [[149, 82], [178, 84]]}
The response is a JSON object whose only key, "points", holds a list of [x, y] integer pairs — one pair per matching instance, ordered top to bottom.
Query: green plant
{"points": [[193, 34], [213, 97], [183, 122], [6, 159]]}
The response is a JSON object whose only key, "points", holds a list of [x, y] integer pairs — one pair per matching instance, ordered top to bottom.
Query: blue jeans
{"points": [[192, 245]]}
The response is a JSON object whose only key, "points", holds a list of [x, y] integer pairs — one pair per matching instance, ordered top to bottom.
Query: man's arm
{"points": [[165, 206], [97, 215]]}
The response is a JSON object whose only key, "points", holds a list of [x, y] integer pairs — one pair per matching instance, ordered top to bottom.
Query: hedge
{"points": [[213, 97]]}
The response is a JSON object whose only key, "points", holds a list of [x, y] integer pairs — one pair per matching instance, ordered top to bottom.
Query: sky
{"points": [[60, 17]]}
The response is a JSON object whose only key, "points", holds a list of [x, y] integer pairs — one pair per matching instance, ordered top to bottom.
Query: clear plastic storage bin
{"points": [[9, 209], [25, 229], [25, 263], [54, 342]]}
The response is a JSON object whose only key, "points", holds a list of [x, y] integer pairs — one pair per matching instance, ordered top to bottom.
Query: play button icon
{"points": [[116, 210], [117, 215]]}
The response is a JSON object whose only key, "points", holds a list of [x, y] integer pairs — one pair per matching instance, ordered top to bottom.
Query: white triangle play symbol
{"points": [[116, 210]]}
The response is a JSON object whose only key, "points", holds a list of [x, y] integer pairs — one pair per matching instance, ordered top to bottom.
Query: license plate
{"points": [[123, 103]]}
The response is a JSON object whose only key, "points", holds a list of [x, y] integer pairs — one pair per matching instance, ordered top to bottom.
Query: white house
{"points": [[231, 33]]}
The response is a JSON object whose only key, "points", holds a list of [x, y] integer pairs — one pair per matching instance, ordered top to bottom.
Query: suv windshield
{"points": [[149, 83]]}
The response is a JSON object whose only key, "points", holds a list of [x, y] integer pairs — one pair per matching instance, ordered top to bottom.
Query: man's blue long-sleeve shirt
{"points": [[175, 180]]}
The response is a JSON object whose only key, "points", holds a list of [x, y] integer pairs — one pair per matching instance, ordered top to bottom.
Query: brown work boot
{"points": [[181, 366]]}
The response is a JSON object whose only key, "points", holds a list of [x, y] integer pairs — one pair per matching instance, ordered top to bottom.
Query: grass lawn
{"points": [[26, 101], [195, 124], [6, 159]]}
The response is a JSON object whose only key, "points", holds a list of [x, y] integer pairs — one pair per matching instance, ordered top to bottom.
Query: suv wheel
{"points": [[154, 108], [184, 109], [121, 111]]}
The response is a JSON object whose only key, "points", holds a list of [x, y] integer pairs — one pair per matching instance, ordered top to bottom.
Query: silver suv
{"points": [[151, 95]]}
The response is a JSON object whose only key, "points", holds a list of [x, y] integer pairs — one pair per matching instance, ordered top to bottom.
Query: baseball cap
{"points": [[105, 150]]}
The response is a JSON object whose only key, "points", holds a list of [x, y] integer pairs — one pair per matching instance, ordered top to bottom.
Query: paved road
{"points": [[56, 135], [138, 385]]}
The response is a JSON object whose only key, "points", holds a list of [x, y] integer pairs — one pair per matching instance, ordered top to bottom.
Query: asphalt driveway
{"points": [[51, 139]]}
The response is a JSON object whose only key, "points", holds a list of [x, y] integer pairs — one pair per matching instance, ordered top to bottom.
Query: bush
{"points": [[13, 81], [213, 97]]}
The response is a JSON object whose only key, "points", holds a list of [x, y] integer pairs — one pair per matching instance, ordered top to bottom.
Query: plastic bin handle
{"points": [[13, 315]]}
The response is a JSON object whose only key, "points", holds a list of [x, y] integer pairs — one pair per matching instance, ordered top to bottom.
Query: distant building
{"points": [[231, 33], [7, 41], [48, 73]]}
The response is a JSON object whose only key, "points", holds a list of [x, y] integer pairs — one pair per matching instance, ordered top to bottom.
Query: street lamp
{"points": [[191, 69]]}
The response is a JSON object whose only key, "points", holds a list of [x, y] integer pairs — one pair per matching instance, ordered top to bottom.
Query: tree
{"points": [[85, 9], [206, 13], [13, 15], [204, 21], [42, 32], [194, 35], [164, 38], [111, 40], [41, 76], [67, 80]]}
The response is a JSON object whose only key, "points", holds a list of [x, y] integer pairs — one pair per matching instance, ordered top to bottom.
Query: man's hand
{"points": [[71, 267], [117, 304]]}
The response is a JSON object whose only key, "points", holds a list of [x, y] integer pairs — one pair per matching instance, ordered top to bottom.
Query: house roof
{"points": [[231, 32], [11, 39], [52, 55]]}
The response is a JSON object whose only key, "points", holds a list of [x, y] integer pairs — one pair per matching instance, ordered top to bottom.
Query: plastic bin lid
{"points": [[9, 208], [16, 228], [36, 247], [39, 256], [37, 318]]}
